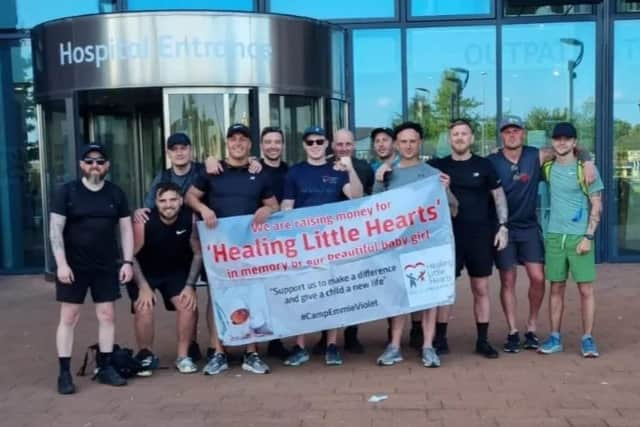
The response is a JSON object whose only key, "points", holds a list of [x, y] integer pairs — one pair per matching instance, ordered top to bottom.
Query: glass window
{"points": [[245, 5], [628, 6], [450, 7], [335, 9], [571, 9], [28, 13], [548, 75], [459, 81], [377, 82], [293, 114], [21, 219], [625, 236]]}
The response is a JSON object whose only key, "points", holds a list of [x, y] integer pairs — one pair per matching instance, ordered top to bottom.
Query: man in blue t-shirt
{"points": [[315, 182]]}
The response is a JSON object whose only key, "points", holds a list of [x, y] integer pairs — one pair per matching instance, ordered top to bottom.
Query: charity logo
{"points": [[329, 179], [415, 273]]}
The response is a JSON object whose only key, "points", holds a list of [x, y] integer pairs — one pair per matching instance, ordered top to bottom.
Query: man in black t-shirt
{"points": [[475, 183], [234, 192], [84, 217], [168, 259]]}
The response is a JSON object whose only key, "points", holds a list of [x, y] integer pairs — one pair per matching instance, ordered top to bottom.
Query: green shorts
{"points": [[561, 257]]}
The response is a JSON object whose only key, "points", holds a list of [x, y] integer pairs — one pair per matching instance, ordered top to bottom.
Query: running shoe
{"points": [[531, 341], [512, 344], [553, 344], [589, 348], [485, 349], [332, 355], [298, 356], [391, 356], [429, 358], [148, 362], [252, 362], [216, 364], [185, 365], [109, 376], [65, 383]]}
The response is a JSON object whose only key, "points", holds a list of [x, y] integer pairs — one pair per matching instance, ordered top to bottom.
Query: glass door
{"points": [[293, 114]]}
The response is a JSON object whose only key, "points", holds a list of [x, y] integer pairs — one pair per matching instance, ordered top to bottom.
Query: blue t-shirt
{"points": [[520, 183], [310, 185]]}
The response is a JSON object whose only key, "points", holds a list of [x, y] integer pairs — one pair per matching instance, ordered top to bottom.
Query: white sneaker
{"points": [[185, 365]]}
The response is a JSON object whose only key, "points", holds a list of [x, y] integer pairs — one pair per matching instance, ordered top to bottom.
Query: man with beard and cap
{"points": [[518, 167], [475, 183], [235, 191], [87, 217], [167, 259]]}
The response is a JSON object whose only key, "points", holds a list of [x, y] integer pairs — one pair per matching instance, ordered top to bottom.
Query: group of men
{"points": [[492, 200]]}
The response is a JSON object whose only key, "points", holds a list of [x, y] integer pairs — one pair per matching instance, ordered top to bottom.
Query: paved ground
{"points": [[515, 390]]}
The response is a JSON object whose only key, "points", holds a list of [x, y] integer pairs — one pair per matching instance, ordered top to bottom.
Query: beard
{"points": [[272, 157], [94, 178]]}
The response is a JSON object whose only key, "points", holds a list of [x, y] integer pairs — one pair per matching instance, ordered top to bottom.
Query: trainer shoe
{"points": [[416, 338], [531, 341], [512, 344], [553, 344], [441, 345], [589, 348], [277, 349], [485, 349], [194, 352], [298, 356], [332, 356], [391, 356], [429, 358], [148, 362], [251, 362], [216, 364], [185, 365], [108, 375], [65, 383]]}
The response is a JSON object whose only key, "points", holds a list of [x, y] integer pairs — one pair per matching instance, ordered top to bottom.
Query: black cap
{"points": [[405, 126], [238, 128], [564, 129], [313, 130], [376, 131], [178, 138], [98, 148]]}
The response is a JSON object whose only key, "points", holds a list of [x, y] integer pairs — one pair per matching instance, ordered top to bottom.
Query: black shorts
{"points": [[525, 246], [474, 250], [104, 285], [169, 286]]}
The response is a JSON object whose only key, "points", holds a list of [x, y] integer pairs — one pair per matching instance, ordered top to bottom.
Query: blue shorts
{"points": [[526, 246]]}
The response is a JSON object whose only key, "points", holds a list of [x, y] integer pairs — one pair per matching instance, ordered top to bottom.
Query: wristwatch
{"points": [[589, 236], [128, 262]]}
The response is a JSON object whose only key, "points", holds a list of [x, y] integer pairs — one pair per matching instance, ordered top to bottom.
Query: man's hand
{"points": [[346, 163], [213, 166], [255, 166], [382, 170], [589, 172], [445, 180], [262, 214], [141, 216], [209, 217], [502, 238], [584, 246], [126, 273], [65, 275], [187, 298], [146, 299]]}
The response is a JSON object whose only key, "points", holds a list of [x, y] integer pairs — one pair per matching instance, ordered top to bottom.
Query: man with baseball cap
{"points": [[382, 146], [518, 167], [575, 211], [85, 215]]}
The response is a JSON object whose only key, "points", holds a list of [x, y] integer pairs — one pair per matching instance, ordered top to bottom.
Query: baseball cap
{"points": [[509, 121], [405, 126], [238, 128], [564, 129], [313, 130], [376, 131], [178, 138], [88, 148]]}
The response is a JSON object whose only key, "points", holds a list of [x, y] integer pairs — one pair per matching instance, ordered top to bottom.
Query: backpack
{"points": [[546, 175], [122, 361]]}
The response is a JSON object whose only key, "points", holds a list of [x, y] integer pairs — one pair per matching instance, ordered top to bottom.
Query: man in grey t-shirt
{"points": [[407, 142]]}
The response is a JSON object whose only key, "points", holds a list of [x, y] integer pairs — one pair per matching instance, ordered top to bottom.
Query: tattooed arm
{"points": [[502, 211], [595, 212], [56, 235]]}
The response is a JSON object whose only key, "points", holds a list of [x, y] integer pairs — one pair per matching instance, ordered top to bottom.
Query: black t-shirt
{"points": [[365, 173], [276, 177], [471, 183], [311, 185], [235, 191], [92, 217], [167, 247]]}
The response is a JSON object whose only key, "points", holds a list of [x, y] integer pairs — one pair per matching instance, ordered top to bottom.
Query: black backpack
{"points": [[122, 361]]}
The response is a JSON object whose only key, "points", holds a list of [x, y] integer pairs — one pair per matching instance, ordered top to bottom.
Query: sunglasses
{"points": [[311, 142], [90, 161], [515, 170]]}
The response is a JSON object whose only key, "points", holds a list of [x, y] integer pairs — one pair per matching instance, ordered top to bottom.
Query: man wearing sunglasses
{"points": [[518, 167], [315, 182], [85, 215]]}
